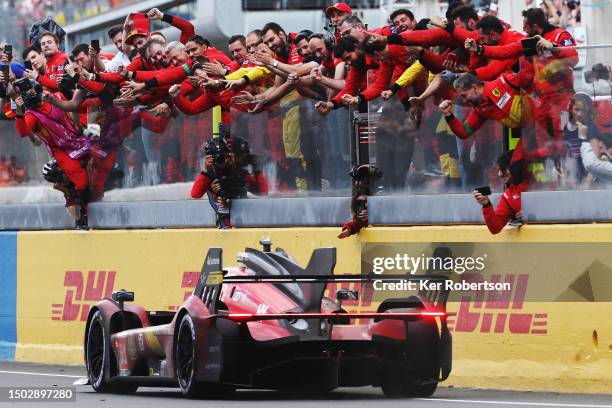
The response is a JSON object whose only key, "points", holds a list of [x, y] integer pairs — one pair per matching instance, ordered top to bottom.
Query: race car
{"points": [[266, 324]]}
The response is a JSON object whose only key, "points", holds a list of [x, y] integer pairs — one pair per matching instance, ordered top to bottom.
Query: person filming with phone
{"points": [[508, 209]]}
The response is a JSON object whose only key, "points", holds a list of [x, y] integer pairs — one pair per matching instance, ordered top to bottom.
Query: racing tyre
{"points": [[96, 352], [99, 357], [186, 359], [397, 388]]}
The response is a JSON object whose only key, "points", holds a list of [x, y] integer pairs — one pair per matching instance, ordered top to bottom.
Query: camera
{"points": [[599, 71], [22, 85], [217, 148], [365, 172], [232, 187], [360, 205]]}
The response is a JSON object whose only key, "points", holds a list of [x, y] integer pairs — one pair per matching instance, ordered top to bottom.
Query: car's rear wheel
{"points": [[99, 358], [186, 358], [401, 388]]}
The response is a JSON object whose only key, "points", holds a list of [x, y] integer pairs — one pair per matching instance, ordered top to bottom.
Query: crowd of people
{"points": [[457, 83], [11, 172]]}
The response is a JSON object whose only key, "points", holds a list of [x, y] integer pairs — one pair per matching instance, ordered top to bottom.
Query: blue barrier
{"points": [[8, 295]]}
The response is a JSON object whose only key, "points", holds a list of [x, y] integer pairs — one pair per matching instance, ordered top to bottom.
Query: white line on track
{"points": [[42, 374], [529, 404]]}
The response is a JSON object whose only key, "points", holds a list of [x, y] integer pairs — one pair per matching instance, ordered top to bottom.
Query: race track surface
{"points": [[31, 375]]}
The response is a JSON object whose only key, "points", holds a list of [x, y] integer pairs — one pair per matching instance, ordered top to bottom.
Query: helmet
{"points": [[30, 91], [217, 148], [52, 172]]}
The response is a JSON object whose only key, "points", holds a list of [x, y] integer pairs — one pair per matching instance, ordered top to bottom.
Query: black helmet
{"points": [[23, 87], [217, 148], [52, 172]]}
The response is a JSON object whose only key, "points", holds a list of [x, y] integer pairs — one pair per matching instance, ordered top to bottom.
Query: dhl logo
{"points": [[189, 281], [81, 293], [484, 312], [497, 312]]}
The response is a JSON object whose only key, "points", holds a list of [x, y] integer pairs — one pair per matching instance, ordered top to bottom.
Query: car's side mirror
{"points": [[346, 294], [123, 296]]}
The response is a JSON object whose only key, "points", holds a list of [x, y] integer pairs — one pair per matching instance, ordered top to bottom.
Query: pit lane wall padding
{"points": [[567, 347]]}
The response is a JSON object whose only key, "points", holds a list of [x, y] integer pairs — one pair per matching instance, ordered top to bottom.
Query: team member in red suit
{"points": [[509, 206]]}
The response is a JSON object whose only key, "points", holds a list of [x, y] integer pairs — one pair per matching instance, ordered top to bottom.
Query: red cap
{"points": [[343, 7], [140, 26]]}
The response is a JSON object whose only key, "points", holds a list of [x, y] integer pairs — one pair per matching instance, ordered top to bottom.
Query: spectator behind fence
{"points": [[580, 114], [596, 152], [4, 172], [17, 172], [509, 206]]}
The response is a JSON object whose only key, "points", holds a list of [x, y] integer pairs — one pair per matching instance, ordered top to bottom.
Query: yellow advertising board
{"points": [[560, 344]]}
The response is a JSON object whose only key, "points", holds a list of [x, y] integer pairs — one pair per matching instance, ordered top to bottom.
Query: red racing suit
{"points": [[55, 68], [388, 72], [356, 80], [205, 101], [502, 101], [509, 207]]}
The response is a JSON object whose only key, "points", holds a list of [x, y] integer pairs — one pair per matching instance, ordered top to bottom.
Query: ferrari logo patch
{"points": [[496, 93], [214, 278]]}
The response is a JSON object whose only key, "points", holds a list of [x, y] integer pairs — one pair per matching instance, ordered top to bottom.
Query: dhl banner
{"points": [[558, 342]]}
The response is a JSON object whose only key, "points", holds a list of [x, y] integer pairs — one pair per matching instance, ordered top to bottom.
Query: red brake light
{"points": [[433, 314], [239, 317]]}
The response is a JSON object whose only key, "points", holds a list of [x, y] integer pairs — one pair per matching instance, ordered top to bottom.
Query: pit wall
{"points": [[49, 280]]}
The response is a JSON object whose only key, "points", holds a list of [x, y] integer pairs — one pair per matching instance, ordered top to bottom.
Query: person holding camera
{"points": [[9, 71], [64, 139], [513, 175], [362, 176], [225, 177], [359, 216]]}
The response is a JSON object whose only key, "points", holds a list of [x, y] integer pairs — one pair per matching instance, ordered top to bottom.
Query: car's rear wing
{"points": [[212, 277], [326, 279]]}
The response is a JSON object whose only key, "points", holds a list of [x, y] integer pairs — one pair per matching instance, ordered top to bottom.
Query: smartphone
{"points": [[95, 44], [530, 46], [8, 50], [28, 65], [6, 72], [486, 190], [360, 205]]}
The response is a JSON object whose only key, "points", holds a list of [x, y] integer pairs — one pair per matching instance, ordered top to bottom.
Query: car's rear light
{"points": [[433, 314], [239, 317], [245, 317]]}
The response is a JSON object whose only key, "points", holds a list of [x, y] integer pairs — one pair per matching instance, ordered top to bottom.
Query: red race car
{"points": [[266, 324]]}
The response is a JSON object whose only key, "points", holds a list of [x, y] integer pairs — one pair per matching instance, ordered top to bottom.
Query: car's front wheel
{"points": [[97, 350], [99, 358]]}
